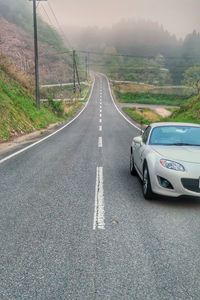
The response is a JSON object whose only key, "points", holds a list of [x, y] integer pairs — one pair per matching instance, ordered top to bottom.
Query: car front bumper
{"points": [[184, 183]]}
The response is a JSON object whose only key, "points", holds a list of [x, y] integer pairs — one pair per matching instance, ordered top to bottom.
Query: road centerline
{"points": [[100, 142], [99, 211]]}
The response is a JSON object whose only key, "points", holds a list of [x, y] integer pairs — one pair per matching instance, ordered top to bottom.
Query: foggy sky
{"points": [[177, 16]]}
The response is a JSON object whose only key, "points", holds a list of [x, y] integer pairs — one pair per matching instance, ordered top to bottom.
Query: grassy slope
{"points": [[189, 108], [17, 110], [188, 112], [146, 117]]}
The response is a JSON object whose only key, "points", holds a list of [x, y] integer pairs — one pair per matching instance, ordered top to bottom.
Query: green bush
{"points": [[148, 98]]}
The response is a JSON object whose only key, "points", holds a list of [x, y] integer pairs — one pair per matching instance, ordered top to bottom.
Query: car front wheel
{"points": [[146, 185]]}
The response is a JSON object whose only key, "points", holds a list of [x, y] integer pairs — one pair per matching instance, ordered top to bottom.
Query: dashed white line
{"points": [[100, 110], [100, 115], [100, 120], [100, 128], [100, 142], [99, 212]]}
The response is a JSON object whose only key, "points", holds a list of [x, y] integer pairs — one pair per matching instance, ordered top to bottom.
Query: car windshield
{"points": [[175, 135]]}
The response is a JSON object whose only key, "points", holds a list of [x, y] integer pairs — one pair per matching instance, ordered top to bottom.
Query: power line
{"points": [[47, 15], [59, 27], [133, 56]]}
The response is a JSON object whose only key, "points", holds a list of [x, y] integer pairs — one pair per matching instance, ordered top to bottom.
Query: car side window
{"points": [[146, 134]]}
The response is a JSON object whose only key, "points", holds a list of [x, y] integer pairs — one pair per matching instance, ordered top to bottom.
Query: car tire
{"points": [[132, 167], [146, 184]]}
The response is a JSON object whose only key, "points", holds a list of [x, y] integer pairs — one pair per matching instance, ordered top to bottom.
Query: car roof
{"points": [[160, 124]]}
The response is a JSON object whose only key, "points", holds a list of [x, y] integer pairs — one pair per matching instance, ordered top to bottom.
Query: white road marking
{"points": [[116, 105], [100, 110], [100, 115], [100, 120], [100, 128], [50, 135], [100, 142], [99, 212]]}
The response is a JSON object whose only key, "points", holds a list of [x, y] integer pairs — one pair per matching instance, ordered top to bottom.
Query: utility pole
{"points": [[88, 59], [86, 68], [74, 72], [77, 75], [37, 84]]}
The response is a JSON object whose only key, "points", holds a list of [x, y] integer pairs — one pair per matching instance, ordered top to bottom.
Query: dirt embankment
{"points": [[18, 47]]}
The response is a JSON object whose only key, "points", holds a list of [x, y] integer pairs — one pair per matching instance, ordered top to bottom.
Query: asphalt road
{"points": [[74, 224]]}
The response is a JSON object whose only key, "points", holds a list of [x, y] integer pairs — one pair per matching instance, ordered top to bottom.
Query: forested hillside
{"points": [[16, 42], [150, 53]]}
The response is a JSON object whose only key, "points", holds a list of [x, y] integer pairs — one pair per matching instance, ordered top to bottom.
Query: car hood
{"points": [[181, 153]]}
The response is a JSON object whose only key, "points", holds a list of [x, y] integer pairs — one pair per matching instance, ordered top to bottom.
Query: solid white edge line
{"points": [[116, 105], [50, 135]]}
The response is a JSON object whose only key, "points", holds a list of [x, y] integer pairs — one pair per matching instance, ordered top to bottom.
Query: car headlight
{"points": [[172, 165]]}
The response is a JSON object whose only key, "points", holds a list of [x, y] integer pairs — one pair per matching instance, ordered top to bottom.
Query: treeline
{"points": [[149, 42]]}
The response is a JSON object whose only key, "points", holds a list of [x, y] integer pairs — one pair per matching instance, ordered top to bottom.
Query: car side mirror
{"points": [[138, 140]]}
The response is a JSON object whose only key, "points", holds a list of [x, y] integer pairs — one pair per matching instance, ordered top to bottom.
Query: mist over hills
{"points": [[127, 36], [142, 39], [158, 56]]}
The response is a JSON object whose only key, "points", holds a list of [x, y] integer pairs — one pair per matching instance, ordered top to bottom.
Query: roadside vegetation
{"points": [[65, 92], [149, 94], [147, 98], [183, 108], [188, 112], [19, 114], [142, 116]]}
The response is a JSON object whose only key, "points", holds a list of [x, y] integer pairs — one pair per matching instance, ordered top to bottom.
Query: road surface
{"points": [[74, 224]]}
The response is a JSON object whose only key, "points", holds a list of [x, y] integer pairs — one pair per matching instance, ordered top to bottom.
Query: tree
{"points": [[192, 78]]}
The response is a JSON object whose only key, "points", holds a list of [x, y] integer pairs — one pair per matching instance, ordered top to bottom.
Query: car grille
{"points": [[191, 184]]}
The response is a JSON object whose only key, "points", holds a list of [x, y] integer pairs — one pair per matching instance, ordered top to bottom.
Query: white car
{"points": [[167, 159]]}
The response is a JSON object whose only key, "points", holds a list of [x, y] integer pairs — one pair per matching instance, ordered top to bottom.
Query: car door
{"points": [[142, 148]]}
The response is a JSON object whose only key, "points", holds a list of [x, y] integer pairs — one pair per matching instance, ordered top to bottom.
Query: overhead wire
{"points": [[47, 15], [59, 26], [135, 56]]}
